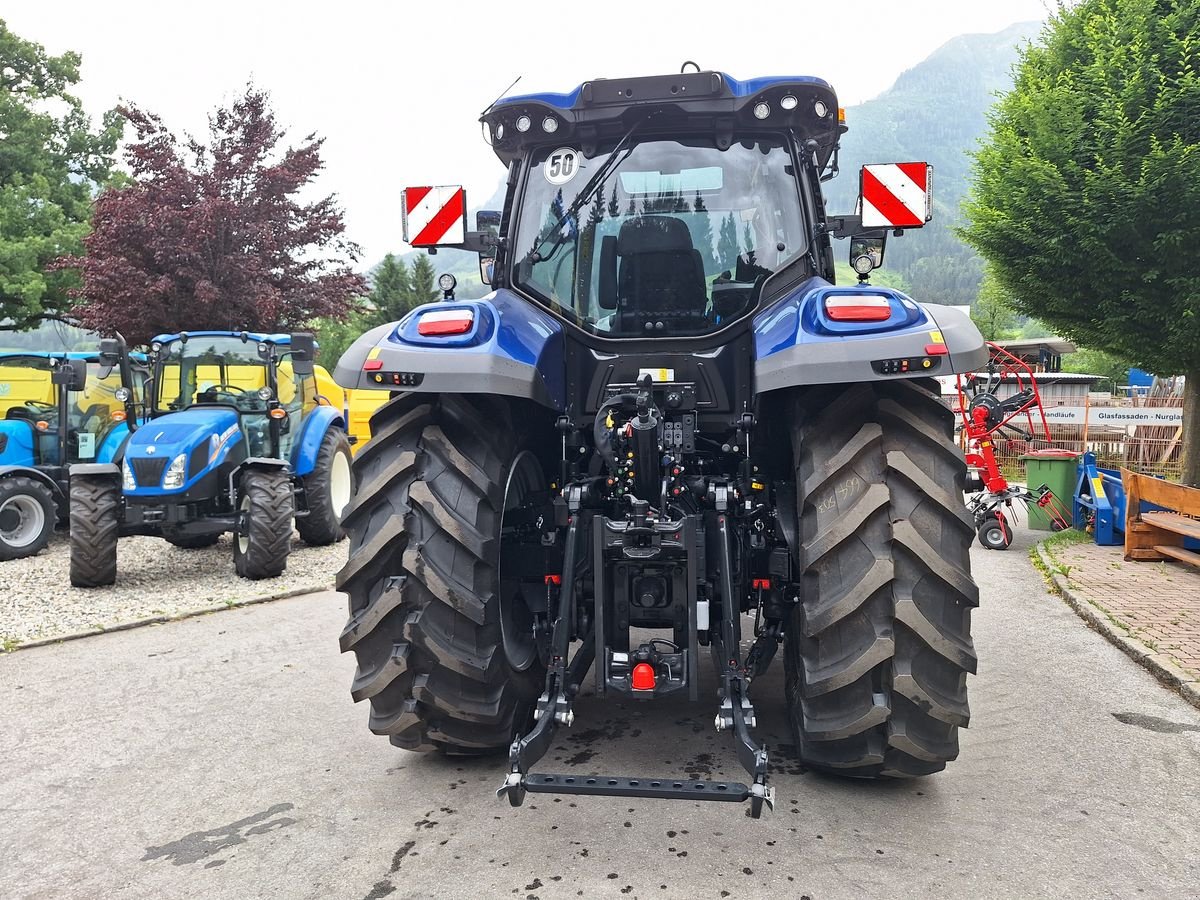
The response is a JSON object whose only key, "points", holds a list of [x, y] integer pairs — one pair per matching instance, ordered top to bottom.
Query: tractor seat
{"points": [[659, 276]]}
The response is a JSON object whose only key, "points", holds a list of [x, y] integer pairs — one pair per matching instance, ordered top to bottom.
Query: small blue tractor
{"points": [[66, 396], [666, 421], [238, 440]]}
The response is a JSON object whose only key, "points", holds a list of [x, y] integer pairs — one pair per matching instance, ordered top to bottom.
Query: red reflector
{"points": [[858, 308], [858, 312], [443, 322], [936, 350], [372, 365], [553, 579], [763, 583], [643, 677]]}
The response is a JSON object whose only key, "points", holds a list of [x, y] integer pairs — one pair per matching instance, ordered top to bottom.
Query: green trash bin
{"points": [[1057, 469]]}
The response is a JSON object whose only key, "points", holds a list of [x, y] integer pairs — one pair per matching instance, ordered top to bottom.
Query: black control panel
{"points": [[907, 365], [398, 379]]}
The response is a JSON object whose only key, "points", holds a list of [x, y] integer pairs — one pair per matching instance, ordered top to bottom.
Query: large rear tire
{"points": [[327, 491], [27, 517], [95, 527], [261, 546], [423, 575], [879, 649]]}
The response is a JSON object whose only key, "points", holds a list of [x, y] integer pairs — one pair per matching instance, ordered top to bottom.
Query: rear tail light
{"points": [[858, 308], [445, 321]]}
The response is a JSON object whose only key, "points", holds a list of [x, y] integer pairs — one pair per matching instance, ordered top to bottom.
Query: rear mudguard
{"points": [[798, 344], [513, 349], [312, 432], [35, 475]]}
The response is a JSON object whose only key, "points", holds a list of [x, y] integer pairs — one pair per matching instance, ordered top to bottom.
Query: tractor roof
{"points": [[688, 103], [257, 336], [86, 355]]}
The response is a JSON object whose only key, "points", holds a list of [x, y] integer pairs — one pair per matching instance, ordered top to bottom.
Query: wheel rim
{"points": [[341, 485], [25, 519], [243, 538], [516, 620]]}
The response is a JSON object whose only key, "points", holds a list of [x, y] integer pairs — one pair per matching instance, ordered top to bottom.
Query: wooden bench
{"points": [[1159, 534]]}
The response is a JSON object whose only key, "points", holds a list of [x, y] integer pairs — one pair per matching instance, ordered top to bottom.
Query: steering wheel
{"points": [[230, 390], [39, 406]]}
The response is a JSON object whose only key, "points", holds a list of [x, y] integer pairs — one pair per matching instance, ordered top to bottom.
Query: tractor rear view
{"points": [[666, 418]]}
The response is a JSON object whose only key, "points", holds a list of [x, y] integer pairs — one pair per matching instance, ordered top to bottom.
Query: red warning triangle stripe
{"points": [[916, 171], [413, 196], [886, 202], [442, 222]]}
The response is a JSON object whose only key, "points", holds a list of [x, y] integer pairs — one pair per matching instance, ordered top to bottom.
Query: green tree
{"points": [[51, 165], [1086, 199], [702, 233], [727, 244], [422, 288], [391, 291], [992, 312], [334, 337], [1097, 362]]}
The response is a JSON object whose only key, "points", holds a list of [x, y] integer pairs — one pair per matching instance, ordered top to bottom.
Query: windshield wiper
{"points": [[585, 195]]}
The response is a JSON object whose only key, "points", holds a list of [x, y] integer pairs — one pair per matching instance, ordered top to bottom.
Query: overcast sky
{"points": [[396, 88]]}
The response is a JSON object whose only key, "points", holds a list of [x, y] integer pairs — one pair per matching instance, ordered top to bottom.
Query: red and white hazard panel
{"points": [[897, 195], [435, 215]]}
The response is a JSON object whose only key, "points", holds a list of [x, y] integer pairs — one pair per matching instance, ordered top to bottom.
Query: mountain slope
{"points": [[936, 111]]}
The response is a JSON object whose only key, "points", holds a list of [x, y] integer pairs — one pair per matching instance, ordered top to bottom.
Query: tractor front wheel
{"points": [[327, 491], [27, 517], [95, 527], [264, 536], [879, 648]]}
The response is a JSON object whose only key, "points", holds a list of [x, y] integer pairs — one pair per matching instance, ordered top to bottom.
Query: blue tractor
{"points": [[66, 396], [664, 419], [238, 440]]}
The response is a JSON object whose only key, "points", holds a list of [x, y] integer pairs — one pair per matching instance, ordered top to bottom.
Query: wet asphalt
{"points": [[222, 757]]}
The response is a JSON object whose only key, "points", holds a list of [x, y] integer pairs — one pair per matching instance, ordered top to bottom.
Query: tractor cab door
{"points": [[298, 396], [94, 411]]}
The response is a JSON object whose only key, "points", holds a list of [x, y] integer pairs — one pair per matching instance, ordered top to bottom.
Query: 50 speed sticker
{"points": [[561, 165]]}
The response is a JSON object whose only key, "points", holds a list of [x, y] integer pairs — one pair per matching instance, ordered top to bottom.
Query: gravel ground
{"points": [[154, 578]]}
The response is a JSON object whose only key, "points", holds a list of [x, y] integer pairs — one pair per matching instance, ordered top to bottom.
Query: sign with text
{"points": [[1114, 416]]}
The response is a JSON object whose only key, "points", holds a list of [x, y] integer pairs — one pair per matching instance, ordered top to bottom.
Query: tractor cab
{"points": [[660, 207], [252, 376], [67, 396], [62, 409]]}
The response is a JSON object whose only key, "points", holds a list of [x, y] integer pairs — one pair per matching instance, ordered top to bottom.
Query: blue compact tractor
{"points": [[66, 396], [664, 423], [238, 440]]}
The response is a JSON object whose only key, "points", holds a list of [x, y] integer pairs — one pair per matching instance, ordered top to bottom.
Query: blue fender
{"points": [[798, 344], [513, 349], [312, 432], [111, 446], [36, 475]]}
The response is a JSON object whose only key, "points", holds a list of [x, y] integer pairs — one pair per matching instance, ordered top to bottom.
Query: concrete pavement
{"points": [[222, 757]]}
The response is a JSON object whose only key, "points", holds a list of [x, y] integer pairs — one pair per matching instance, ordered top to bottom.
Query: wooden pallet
{"points": [[1159, 534]]}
